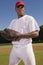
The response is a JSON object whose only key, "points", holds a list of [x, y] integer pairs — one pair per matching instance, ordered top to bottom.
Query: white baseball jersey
{"points": [[24, 25]]}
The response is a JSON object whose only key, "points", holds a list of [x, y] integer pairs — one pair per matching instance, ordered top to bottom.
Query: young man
{"points": [[28, 28]]}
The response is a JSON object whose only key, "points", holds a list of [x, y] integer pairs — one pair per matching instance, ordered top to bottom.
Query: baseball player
{"points": [[28, 28]]}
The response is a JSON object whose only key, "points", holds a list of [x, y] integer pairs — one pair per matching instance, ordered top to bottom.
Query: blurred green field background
{"points": [[4, 56]]}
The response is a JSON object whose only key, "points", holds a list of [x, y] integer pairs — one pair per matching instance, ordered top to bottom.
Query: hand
{"points": [[18, 38]]}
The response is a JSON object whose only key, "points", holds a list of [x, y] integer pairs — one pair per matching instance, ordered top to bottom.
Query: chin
{"points": [[22, 14]]}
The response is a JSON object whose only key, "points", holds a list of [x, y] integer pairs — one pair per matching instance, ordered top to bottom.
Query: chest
{"points": [[21, 26]]}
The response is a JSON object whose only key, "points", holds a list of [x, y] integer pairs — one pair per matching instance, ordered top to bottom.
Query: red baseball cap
{"points": [[19, 3]]}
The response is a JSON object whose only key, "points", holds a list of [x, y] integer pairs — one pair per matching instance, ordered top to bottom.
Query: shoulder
{"points": [[29, 17], [13, 21]]}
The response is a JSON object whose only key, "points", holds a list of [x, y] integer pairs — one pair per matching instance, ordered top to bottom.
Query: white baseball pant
{"points": [[22, 52]]}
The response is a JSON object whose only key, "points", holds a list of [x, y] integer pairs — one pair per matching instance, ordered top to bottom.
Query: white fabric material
{"points": [[25, 24], [22, 50], [24, 53]]}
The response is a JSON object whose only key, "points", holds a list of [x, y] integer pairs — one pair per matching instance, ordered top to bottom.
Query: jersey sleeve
{"points": [[12, 24], [33, 25]]}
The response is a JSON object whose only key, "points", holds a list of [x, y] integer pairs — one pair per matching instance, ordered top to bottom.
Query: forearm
{"points": [[29, 35]]}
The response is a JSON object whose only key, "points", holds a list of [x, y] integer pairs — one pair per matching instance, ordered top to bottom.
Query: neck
{"points": [[19, 16]]}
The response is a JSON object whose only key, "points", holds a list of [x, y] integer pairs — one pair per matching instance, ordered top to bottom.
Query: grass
{"points": [[38, 44], [4, 56], [39, 57], [4, 59]]}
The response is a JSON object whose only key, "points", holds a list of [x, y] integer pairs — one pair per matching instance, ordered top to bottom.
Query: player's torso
{"points": [[21, 26]]}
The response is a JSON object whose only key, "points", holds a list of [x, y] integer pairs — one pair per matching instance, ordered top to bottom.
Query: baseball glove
{"points": [[9, 34]]}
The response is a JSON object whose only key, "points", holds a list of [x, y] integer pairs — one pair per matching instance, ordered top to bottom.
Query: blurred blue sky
{"points": [[7, 11]]}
